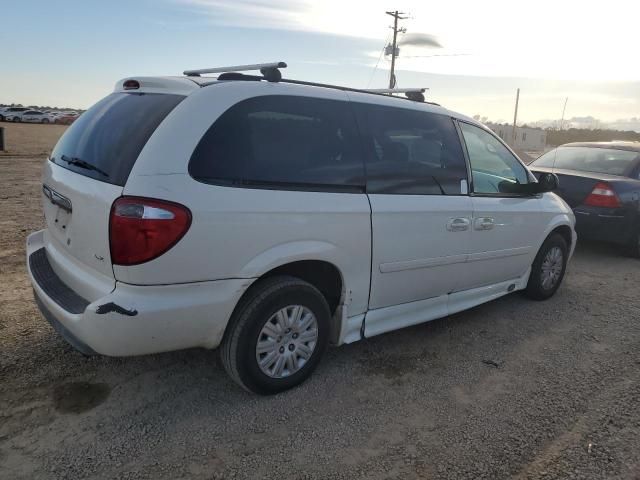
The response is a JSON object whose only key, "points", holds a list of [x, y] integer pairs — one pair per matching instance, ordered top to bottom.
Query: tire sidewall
{"points": [[634, 247], [535, 282], [248, 367]]}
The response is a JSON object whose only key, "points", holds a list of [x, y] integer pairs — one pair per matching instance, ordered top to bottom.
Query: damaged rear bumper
{"points": [[133, 319]]}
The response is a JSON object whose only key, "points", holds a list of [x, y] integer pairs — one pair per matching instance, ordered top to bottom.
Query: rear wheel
{"points": [[45, 120], [547, 270], [277, 335]]}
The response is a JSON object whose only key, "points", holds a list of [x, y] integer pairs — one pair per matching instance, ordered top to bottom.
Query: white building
{"points": [[526, 139]]}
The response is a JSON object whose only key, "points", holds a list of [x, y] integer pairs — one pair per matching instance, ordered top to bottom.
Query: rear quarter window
{"points": [[111, 134], [282, 141]]}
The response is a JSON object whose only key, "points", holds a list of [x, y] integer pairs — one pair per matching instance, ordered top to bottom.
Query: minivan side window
{"points": [[283, 141], [411, 152], [493, 167]]}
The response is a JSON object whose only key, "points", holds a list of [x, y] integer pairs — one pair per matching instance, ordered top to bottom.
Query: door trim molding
{"points": [[493, 254], [391, 267]]}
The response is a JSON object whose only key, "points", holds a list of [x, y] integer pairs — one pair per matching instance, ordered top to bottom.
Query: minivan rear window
{"points": [[105, 141]]}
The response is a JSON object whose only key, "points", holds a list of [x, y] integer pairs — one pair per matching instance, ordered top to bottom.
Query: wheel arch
{"points": [[563, 225], [564, 231], [319, 272]]}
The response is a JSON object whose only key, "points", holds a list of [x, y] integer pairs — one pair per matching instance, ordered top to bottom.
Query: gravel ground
{"points": [[510, 389]]}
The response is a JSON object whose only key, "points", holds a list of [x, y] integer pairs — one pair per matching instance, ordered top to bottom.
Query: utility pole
{"points": [[396, 16], [563, 109], [515, 119]]}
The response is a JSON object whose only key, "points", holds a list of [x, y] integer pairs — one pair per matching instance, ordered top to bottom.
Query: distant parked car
{"points": [[12, 114], [55, 114], [36, 116], [66, 118], [601, 182]]}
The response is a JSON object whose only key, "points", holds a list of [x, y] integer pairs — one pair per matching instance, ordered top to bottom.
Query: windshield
{"points": [[110, 135], [588, 159]]}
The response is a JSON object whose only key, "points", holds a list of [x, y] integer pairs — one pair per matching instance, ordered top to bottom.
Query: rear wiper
{"points": [[78, 162]]}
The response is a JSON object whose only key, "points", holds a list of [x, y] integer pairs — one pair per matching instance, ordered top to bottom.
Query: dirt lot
{"points": [[514, 388]]}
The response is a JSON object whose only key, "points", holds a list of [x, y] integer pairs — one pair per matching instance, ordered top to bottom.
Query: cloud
{"points": [[279, 14], [419, 40], [551, 41]]}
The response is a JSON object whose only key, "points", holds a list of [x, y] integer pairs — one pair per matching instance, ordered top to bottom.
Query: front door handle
{"points": [[483, 223], [459, 224]]}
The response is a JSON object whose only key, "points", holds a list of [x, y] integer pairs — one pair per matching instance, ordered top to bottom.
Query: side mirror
{"points": [[547, 182]]}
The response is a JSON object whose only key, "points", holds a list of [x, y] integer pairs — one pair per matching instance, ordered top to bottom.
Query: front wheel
{"points": [[16, 120], [45, 120], [547, 270], [277, 335]]}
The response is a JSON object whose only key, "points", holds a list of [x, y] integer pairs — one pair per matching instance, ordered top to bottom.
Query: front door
{"points": [[505, 226]]}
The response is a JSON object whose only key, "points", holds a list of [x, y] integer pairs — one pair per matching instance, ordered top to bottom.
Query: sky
{"points": [[71, 52]]}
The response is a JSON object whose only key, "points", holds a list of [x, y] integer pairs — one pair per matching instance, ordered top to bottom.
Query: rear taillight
{"points": [[602, 195], [141, 229]]}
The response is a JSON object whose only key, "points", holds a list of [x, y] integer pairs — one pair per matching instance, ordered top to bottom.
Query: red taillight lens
{"points": [[603, 195], [141, 229]]}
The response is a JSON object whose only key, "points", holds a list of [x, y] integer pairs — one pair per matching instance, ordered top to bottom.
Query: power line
{"points": [[438, 55], [379, 58]]}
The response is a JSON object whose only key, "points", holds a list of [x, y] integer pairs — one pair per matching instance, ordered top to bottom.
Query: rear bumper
{"points": [[603, 224], [132, 319]]}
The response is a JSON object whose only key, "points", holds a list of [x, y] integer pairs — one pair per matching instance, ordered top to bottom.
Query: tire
{"points": [[16, 119], [45, 120], [633, 248], [541, 286], [259, 307]]}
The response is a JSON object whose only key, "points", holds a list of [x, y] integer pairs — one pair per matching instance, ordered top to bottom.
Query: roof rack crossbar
{"points": [[237, 68], [396, 90]]}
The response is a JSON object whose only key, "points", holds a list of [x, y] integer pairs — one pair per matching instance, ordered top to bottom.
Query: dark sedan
{"points": [[601, 183]]}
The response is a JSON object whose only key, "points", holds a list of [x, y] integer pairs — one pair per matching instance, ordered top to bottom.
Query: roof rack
{"points": [[268, 70], [271, 73]]}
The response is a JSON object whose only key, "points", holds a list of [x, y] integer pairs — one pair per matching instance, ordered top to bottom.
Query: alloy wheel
{"points": [[551, 268]]}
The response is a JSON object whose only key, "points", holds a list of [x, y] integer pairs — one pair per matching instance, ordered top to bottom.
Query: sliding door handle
{"points": [[483, 223], [459, 224]]}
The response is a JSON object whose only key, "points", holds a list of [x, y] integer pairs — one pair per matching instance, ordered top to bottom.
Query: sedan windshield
{"points": [[588, 159]]}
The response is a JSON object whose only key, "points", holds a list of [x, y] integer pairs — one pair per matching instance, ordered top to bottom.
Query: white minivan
{"points": [[272, 217]]}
